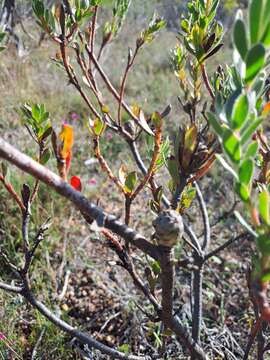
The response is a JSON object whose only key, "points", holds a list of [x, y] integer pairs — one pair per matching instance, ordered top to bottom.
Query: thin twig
{"points": [[130, 63], [104, 166], [152, 166], [207, 230], [225, 245], [65, 286], [10, 288], [254, 331], [34, 352]]}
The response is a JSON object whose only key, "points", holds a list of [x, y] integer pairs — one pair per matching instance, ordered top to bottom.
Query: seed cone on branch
{"points": [[168, 228]]}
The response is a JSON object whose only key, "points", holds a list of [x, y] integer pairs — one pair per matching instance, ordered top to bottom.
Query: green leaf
{"points": [[38, 8], [255, 19], [266, 36], [240, 38], [254, 62], [230, 103], [36, 112], [240, 112], [156, 119], [215, 124], [98, 126], [250, 130], [231, 144], [252, 150], [45, 156], [227, 166], [173, 170], [246, 171], [131, 181], [243, 191], [187, 197], [264, 206], [243, 222], [263, 244], [155, 266], [266, 276], [125, 348]]}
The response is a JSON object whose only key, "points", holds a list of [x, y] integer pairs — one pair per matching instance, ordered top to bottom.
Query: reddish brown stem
{"points": [[73, 79], [206, 81], [123, 84], [105, 167], [151, 169], [12, 192], [254, 331]]}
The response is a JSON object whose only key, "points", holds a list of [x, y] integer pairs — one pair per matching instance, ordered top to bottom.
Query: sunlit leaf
{"points": [[255, 19], [240, 38], [254, 62], [240, 112], [66, 137], [231, 145], [246, 171], [122, 174], [130, 181], [243, 191], [264, 199]]}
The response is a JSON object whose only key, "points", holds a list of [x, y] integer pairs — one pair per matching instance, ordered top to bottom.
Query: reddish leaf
{"points": [[66, 136], [68, 160], [75, 182]]}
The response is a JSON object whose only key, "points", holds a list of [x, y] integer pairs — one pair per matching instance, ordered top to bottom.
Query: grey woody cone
{"points": [[168, 228]]}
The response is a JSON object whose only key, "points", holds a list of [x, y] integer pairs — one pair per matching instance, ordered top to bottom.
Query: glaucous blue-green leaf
{"points": [[255, 19], [265, 31], [240, 38], [254, 62], [230, 103], [214, 123], [250, 130], [227, 166], [173, 170], [243, 222]]}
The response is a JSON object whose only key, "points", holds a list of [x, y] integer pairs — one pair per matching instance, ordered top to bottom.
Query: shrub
{"points": [[224, 122]]}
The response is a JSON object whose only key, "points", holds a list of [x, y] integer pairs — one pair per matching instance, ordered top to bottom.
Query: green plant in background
{"points": [[2, 36], [239, 111]]}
